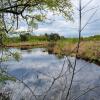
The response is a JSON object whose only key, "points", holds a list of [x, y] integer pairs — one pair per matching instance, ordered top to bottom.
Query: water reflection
{"points": [[37, 69]]}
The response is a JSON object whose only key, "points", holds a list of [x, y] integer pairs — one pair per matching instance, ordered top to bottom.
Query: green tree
{"points": [[25, 10], [24, 37], [53, 37]]}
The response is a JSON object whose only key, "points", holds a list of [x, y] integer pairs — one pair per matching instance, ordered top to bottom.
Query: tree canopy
{"points": [[11, 11]]}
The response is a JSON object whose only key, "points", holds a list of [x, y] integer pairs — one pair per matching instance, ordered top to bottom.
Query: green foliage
{"points": [[24, 9], [33, 21], [24, 37], [47, 37], [53, 37], [3, 38], [38, 38], [93, 38], [12, 40], [70, 40], [16, 55], [4, 77]]}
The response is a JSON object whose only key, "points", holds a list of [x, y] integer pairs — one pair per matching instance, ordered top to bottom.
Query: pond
{"points": [[37, 70]]}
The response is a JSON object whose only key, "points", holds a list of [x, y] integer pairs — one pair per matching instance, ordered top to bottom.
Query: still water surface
{"points": [[37, 69]]}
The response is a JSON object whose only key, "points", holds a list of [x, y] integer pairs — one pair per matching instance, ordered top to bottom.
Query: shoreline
{"points": [[27, 45], [89, 50], [90, 60]]}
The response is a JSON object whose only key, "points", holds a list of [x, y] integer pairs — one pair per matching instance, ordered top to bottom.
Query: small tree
{"points": [[24, 37], [53, 37]]}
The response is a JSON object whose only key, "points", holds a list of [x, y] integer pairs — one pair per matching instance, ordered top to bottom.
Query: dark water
{"points": [[37, 69]]}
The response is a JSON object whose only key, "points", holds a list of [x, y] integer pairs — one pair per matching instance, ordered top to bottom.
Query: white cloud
{"points": [[21, 29], [42, 30]]}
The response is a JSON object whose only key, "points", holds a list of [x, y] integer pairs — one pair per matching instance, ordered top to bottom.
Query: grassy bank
{"points": [[89, 47], [89, 50]]}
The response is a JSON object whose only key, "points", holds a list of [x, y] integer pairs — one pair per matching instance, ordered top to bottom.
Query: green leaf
{"points": [[4, 78]]}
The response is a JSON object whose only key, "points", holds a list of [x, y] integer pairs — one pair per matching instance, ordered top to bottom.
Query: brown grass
{"points": [[89, 50]]}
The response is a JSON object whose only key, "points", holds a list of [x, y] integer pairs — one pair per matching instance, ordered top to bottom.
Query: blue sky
{"points": [[57, 24]]}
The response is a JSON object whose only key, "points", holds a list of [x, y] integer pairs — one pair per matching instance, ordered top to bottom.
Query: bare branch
{"points": [[86, 4], [89, 19]]}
